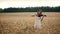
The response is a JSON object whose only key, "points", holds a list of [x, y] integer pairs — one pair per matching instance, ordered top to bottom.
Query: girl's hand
{"points": [[33, 15], [45, 15]]}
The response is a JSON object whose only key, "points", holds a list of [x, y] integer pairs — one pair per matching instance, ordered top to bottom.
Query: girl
{"points": [[38, 18]]}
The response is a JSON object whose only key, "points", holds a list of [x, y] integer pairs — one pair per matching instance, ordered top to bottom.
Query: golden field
{"points": [[22, 23]]}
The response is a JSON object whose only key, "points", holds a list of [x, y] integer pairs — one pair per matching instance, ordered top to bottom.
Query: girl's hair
{"points": [[39, 10]]}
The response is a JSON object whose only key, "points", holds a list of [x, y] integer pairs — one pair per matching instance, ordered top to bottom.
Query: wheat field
{"points": [[22, 23]]}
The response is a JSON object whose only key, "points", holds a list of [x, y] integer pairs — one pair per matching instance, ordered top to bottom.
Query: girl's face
{"points": [[39, 12]]}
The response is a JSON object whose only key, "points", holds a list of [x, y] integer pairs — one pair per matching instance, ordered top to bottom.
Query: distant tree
{"points": [[1, 9], [31, 9]]}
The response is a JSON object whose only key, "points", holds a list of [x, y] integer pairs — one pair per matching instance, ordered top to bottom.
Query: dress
{"points": [[37, 23]]}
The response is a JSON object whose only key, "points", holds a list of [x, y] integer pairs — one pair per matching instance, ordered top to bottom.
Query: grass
{"points": [[22, 23]]}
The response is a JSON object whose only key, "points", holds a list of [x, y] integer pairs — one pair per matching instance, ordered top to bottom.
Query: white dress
{"points": [[37, 23]]}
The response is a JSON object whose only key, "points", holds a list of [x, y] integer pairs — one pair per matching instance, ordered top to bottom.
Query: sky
{"points": [[28, 3]]}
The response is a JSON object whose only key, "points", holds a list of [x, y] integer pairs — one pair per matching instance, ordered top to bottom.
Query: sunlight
{"points": [[26, 3]]}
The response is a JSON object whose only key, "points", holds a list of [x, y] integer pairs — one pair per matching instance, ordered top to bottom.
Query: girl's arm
{"points": [[43, 17]]}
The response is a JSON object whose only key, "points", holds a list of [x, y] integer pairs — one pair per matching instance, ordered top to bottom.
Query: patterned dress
{"points": [[37, 23]]}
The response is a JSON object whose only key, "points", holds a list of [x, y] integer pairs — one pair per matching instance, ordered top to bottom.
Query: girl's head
{"points": [[39, 11]]}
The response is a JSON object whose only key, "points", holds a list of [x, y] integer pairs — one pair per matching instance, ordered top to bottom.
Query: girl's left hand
{"points": [[45, 15]]}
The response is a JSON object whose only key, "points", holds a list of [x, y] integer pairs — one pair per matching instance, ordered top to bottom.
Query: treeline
{"points": [[31, 9]]}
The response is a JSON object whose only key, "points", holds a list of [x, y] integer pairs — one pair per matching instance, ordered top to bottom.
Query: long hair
{"points": [[39, 11]]}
